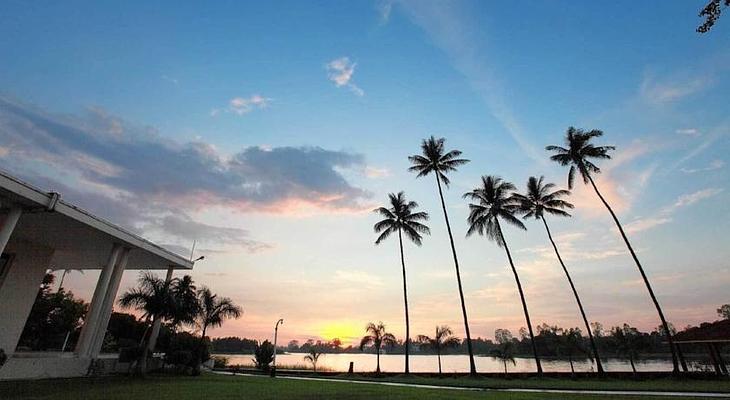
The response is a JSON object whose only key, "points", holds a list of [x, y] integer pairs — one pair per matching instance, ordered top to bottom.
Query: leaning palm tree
{"points": [[578, 153], [434, 158], [540, 199], [494, 201], [402, 218], [154, 298], [211, 313], [377, 337], [442, 340], [313, 357]]}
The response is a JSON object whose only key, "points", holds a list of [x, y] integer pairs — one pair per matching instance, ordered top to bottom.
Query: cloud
{"points": [[384, 8], [455, 31], [340, 71], [171, 80], [671, 89], [243, 105], [689, 132], [138, 162], [714, 165], [375, 173], [665, 215], [184, 227]]}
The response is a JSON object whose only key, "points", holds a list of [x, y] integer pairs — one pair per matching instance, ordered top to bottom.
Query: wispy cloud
{"points": [[384, 8], [454, 31], [340, 71], [170, 79], [671, 89], [689, 132], [714, 165], [666, 214]]}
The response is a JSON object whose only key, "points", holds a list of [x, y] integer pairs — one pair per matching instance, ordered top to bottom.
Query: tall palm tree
{"points": [[578, 153], [435, 159], [540, 199], [494, 201], [402, 218], [155, 299], [186, 305], [212, 312], [377, 337], [442, 340]]}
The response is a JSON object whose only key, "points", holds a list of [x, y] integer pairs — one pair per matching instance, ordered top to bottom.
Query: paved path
{"points": [[476, 389]]}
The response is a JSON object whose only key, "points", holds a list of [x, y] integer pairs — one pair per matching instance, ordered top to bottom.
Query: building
{"points": [[39, 231]]}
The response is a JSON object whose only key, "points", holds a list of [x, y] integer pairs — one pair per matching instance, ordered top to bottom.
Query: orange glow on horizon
{"points": [[347, 331]]}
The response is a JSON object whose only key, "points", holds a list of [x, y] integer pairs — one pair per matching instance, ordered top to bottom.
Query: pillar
{"points": [[8, 226], [108, 303], [91, 322]]}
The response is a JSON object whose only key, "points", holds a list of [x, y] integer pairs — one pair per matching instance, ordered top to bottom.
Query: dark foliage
{"points": [[711, 13], [264, 356]]}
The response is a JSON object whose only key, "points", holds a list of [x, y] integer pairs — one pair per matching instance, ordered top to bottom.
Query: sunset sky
{"points": [[268, 131]]}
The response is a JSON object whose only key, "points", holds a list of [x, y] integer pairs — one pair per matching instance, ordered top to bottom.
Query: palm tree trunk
{"points": [[522, 297], [405, 299], [438, 351], [199, 353], [377, 358], [675, 362], [472, 366], [599, 366], [505, 367], [633, 367], [572, 369]]}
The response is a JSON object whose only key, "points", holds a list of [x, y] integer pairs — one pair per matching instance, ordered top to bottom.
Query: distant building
{"points": [[39, 231]]}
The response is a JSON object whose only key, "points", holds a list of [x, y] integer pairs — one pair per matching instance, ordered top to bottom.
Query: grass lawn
{"points": [[663, 384], [217, 387]]}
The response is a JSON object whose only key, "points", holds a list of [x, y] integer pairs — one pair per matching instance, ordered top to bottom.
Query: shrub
{"points": [[264, 355], [219, 361]]}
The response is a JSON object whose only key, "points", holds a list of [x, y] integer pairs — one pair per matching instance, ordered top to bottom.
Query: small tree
{"points": [[377, 337], [442, 340], [627, 341], [571, 344], [505, 351], [264, 356], [313, 357]]}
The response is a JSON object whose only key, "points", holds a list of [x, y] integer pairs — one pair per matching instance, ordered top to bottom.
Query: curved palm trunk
{"points": [[405, 298], [522, 298], [438, 351], [377, 357], [675, 361], [472, 366], [599, 366]]}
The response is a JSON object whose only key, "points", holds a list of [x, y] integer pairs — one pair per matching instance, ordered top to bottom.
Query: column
{"points": [[8, 226], [108, 304], [88, 332]]}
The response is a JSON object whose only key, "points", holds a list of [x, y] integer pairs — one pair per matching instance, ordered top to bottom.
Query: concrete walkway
{"points": [[475, 389]]}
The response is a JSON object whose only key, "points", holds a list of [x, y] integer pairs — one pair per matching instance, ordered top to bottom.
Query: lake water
{"points": [[450, 363]]}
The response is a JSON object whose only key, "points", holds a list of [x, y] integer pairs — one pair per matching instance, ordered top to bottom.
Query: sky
{"points": [[267, 132]]}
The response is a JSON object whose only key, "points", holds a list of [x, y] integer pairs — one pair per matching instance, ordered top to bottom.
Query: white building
{"points": [[38, 232]]}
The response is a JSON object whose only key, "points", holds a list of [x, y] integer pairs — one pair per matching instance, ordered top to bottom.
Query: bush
{"points": [[264, 355], [179, 358], [220, 361]]}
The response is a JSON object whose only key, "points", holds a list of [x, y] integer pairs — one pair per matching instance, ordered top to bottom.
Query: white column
{"points": [[8, 226], [108, 304], [83, 347]]}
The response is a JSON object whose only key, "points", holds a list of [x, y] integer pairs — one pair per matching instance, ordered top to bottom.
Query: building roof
{"points": [[81, 240]]}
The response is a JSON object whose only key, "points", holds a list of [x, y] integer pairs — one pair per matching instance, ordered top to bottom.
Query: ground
{"points": [[219, 387]]}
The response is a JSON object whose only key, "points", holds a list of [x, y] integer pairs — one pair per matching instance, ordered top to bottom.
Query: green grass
{"points": [[661, 384], [216, 387]]}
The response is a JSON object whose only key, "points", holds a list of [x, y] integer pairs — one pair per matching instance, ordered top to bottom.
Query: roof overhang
{"points": [[80, 240]]}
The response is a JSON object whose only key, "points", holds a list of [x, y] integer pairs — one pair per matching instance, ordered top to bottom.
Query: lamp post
{"points": [[276, 333]]}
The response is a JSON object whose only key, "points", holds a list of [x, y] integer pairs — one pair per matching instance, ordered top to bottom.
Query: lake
{"points": [[365, 362]]}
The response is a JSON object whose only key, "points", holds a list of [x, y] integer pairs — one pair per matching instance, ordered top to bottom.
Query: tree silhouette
{"points": [[578, 154], [435, 159], [538, 200], [494, 201], [402, 218], [212, 312], [377, 337], [442, 340], [505, 351], [313, 357]]}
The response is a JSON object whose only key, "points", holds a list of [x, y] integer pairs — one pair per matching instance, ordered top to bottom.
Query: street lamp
{"points": [[276, 333]]}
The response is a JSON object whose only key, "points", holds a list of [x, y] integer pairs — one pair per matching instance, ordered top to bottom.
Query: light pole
{"points": [[276, 333]]}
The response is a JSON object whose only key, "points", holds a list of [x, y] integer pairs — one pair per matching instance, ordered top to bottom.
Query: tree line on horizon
{"points": [[494, 202]]}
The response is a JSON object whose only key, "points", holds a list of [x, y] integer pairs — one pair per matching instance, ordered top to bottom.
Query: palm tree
{"points": [[578, 155], [434, 158], [540, 199], [494, 201], [401, 218], [155, 300], [186, 303], [211, 313], [377, 337], [442, 340], [627, 341], [570, 344], [505, 352], [313, 357]]}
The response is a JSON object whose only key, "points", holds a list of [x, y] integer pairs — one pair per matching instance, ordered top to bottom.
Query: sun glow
{"points": [[346, 331]]}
